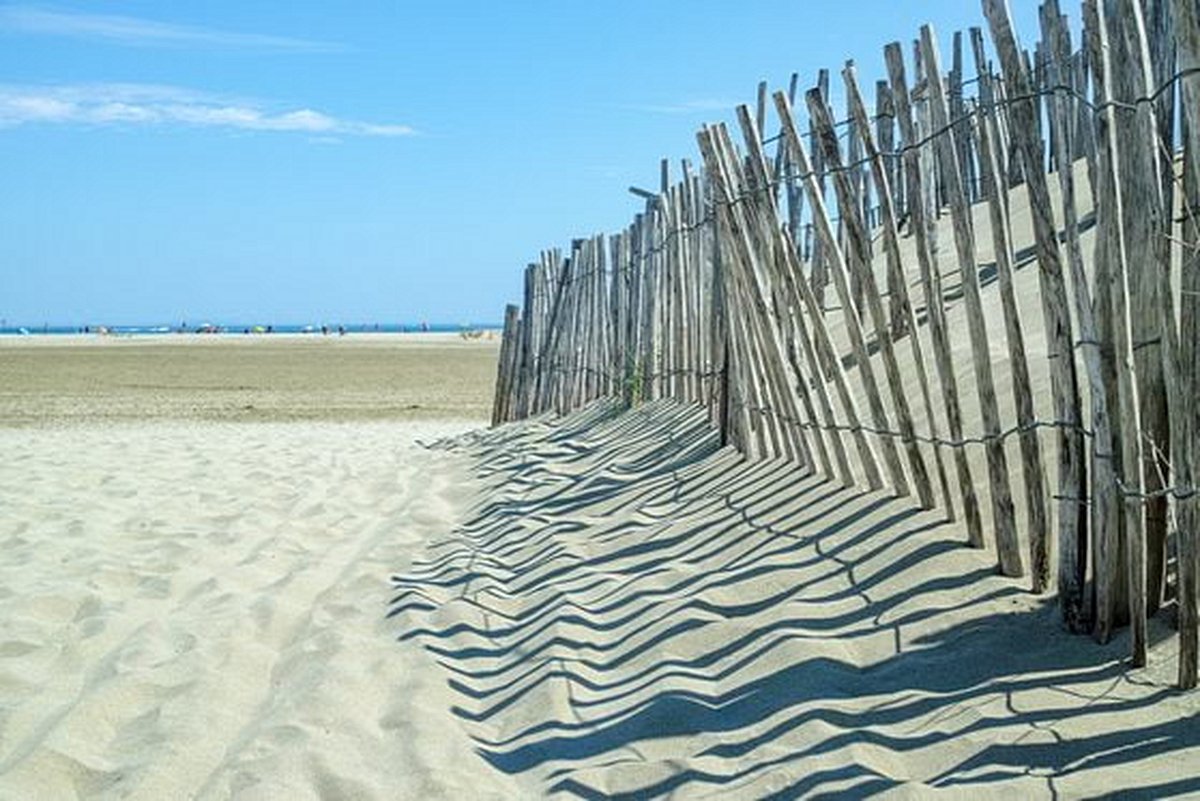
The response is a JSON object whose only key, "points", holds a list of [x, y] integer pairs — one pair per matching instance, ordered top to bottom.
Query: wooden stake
{"points": [[1187, 38], [859, 263], [838, 271], [896, 279], [931, 285], [1152, 314], [1127, 389], [866, 453], [1031, 453], [1105, 502], [1072, 520], [1008, 549]]}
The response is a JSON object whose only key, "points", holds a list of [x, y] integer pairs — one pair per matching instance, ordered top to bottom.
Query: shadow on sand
{"points": [[633, 611]]}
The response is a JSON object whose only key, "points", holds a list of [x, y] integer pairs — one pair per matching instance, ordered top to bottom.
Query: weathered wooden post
{"points": [[1187, 37], [858, 260], [760, 265], [819, 270], [1116, 277], [896, 278], [841, 283], [931, 285], [1152, 314], [746, 400], [1031, 451], [866, 452], [1105, 502], [1072, 511], [1003, 516]]}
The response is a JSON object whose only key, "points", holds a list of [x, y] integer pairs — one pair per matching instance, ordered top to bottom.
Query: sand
{"points": [[67, 379], [231, 570], [192, 607], [632, 611]]}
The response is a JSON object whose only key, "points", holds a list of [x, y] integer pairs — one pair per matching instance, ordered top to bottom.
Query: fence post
{"points": [[1187, 38], [1112, 202], [858, 260], [896, 279], [931, 285], [866, 452], [1003, 515], [1072, 520]]}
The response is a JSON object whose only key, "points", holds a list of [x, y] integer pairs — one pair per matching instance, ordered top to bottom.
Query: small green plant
{"points": [[633, 383]]}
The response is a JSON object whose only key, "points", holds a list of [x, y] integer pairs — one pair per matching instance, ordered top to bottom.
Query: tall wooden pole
{"points": [[1187, 37], [858, 261], [896, 279], [934, 309], [1127, 388], [866, 452], [1072, 509], [1008, 549]]}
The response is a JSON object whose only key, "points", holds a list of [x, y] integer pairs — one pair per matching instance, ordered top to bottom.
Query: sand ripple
{"points": [[199, 611]]}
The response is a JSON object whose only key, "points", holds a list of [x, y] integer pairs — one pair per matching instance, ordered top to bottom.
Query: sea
{"points": [[247, 328]]}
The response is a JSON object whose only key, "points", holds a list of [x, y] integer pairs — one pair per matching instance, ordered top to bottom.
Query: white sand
{"points": [[198, 610], [632, 611]]}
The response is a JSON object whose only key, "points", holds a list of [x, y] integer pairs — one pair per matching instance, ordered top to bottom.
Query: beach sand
{"points": [[53, 380], [230, 571], [194, 585], [631, 611]]}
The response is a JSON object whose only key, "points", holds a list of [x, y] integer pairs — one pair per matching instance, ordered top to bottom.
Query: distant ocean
{"points": [[247, 328]]}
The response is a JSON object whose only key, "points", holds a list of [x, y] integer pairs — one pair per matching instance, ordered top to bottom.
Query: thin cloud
{"points": [[145, 32], [109, 105]]}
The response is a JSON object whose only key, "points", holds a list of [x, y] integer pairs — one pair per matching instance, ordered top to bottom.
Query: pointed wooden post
{"points": [[1187, 38], [885, 143], [921, 226], [766, 229], [858, 260], [820, 270], [839, 273], [896, 279], [767, 285], [1152, 313], [505, 367], [1127, 388], [775, 404], [1031, 451], [866, 453], [1105, 501], [1072, 511], [1008, 549]]}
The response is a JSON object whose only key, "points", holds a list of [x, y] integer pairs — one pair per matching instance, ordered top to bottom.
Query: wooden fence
{"points": [[717, 294]]}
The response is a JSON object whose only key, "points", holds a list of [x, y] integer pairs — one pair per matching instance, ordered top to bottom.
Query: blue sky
{"points": [[365, 161]]}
